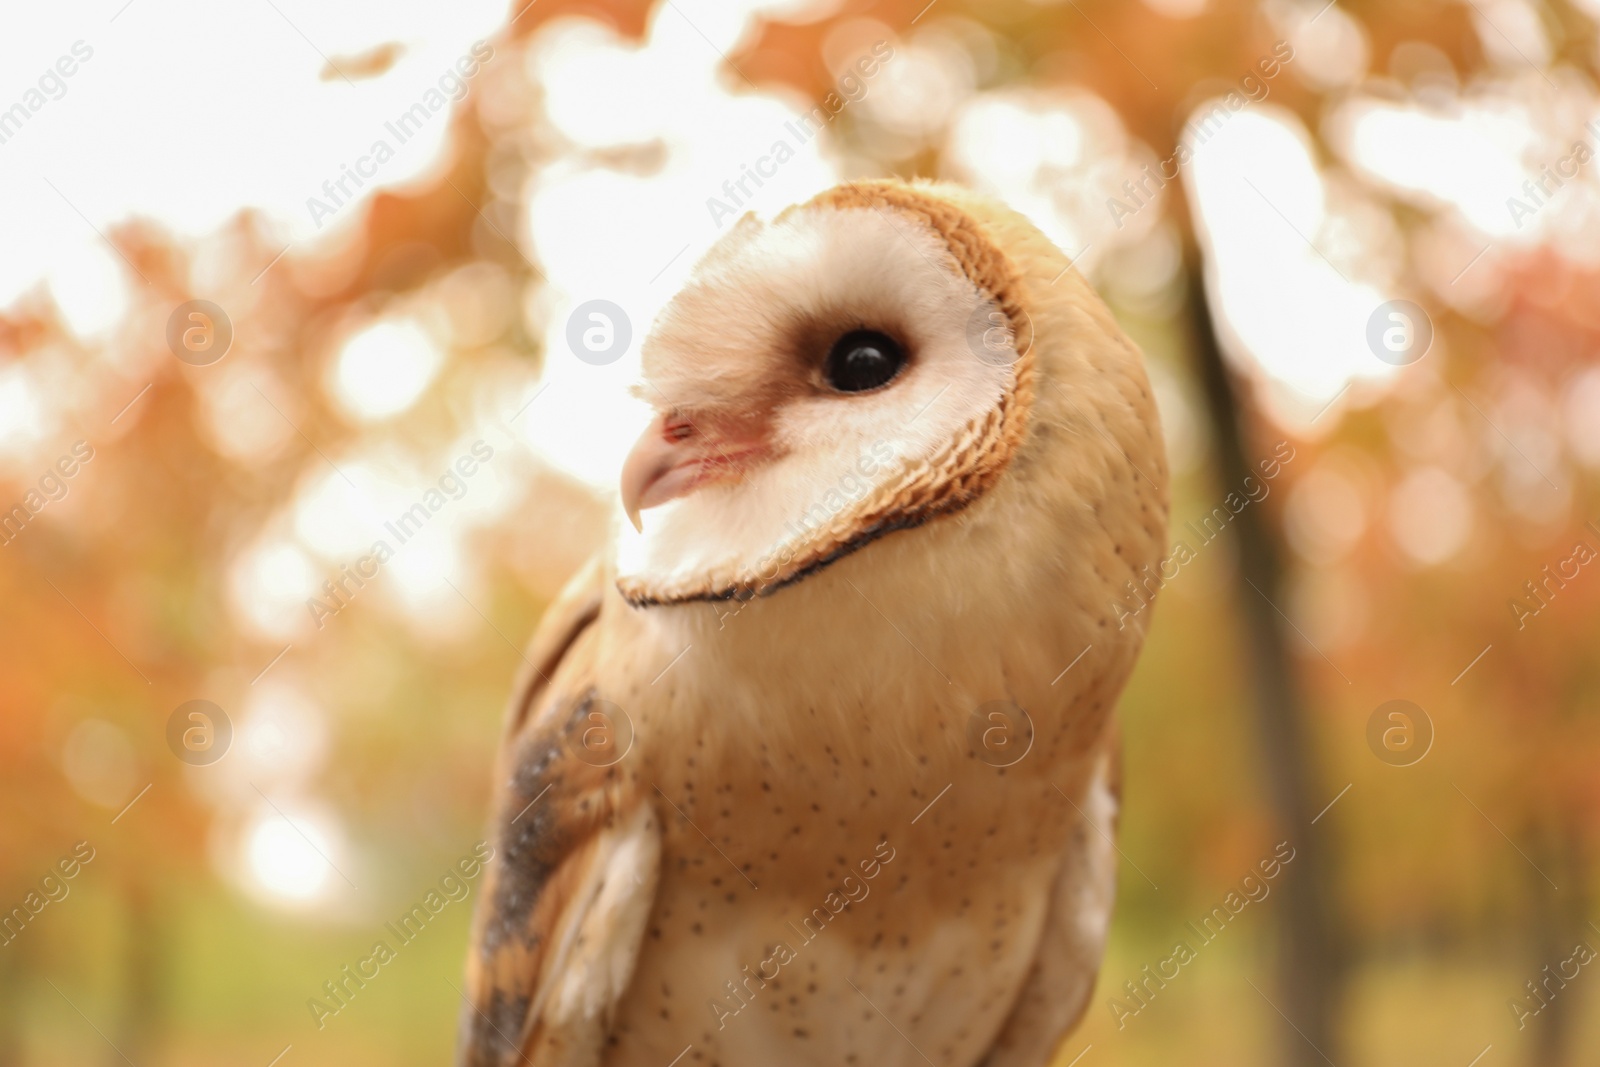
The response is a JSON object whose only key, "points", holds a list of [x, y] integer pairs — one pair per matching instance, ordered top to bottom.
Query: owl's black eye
{"points": [[862, 360]]}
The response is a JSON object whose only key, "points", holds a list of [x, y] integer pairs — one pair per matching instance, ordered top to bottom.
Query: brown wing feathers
{"points": [[550, 809]]}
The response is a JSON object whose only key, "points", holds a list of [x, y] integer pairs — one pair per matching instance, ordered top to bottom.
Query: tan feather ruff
{"points": [[959, 473]]}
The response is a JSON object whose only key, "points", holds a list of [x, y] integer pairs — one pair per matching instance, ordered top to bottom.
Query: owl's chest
{"points": [[856, 858], [813, 911]]}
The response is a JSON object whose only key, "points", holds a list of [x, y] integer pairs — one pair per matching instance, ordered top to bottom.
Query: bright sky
{"points": [[186, 113], [631, 239], [1288, 297]]}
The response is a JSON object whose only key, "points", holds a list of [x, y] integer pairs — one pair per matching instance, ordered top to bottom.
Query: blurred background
{"points": [[270, 271]]}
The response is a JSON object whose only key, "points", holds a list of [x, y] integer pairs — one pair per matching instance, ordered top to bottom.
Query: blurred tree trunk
{"points": [[1559, 925], [1548, 946], [144, 961], [14, 963], [1311, 968]]}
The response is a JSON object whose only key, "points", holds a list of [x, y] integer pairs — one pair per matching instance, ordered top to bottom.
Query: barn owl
{"points": [[816, 763]]}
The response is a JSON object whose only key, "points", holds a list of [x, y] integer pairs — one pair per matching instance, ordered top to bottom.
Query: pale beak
{"points": [[671, 459], [647, 474]]}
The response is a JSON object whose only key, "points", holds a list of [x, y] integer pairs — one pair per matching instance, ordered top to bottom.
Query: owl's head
{"points": [[868, 362]]}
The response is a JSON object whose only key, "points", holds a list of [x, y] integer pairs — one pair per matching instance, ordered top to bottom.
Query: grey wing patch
{"points": [[562, 914], [545, 995]]}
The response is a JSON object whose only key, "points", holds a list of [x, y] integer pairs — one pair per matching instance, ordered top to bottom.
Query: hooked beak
{"points": [[672, 458]]}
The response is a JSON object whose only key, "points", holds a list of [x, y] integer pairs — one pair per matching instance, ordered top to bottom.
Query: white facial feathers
{"points": [[749, 334]]}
